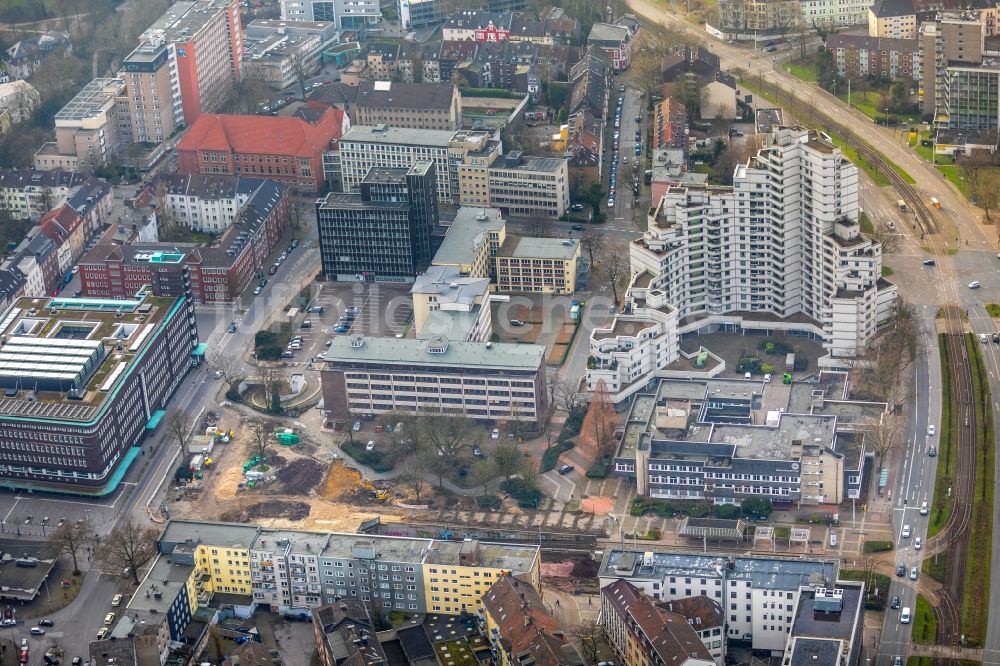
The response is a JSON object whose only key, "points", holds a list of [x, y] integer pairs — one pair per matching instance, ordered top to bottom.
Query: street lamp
{"points": [[886, 116]]}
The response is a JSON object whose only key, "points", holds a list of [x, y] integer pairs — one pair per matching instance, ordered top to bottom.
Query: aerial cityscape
{"points": [[499, 332]]}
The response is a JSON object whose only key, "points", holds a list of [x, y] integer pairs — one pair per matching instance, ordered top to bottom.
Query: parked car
{"points": [[930, 262], [975, 284], [357, 426], [495, 434], [370, 446], [566, 469], [116, 601], [108, 619], [36, 631], [102, 633]]}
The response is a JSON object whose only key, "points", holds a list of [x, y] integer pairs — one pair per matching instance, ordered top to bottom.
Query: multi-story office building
{"points": [[346, 14], [894, 19], [207, 38], [954, 40], [858, 56], [278, 58], [970, 97], [427, 106], [150, 108], [87, 129], [289, 149], [471, 155], [522, 185], [384, 232], [472, 241], [779, 250], [538, 265], [215, 274], [447, 303], [82, 379], [485, 381], [703, 440], [759, 594], [828, 626], [641, 632]]}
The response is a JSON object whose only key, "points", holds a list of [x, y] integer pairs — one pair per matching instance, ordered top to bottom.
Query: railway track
{"points": [[817, 118]]}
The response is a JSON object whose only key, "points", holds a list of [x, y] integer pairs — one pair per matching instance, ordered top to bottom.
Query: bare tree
{"points": [[647, 68], [300, 69], [889, 240], [590, 242], [614, 268], [229, 366], [879, 370], [272, 379], [564, 395], [601, 421], [181, 428], [883, 434], [262, 437], [507, 460], [417, 466], [483, 473], [70, 538], [129, 546], [592, 639]]}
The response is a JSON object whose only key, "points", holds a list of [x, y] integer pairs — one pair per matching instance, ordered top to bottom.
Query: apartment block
{"points": [[346, 14], [830, 14], [748, 18], [892, 19], [954, 39], [616, 40], [208, 42], [858, 56], [278, 58], [970, 98], [428, 106], [150, 109], [87, 130], [522, 185], [28, 194], [202, 202], [384, 232], [472, 241], [537, 265], [217, 274], [449, 304], [82, 380], [486, 381], [759, 594], [708, 620], [828, 625], [520, 629], [642, 633], [346, 634]]}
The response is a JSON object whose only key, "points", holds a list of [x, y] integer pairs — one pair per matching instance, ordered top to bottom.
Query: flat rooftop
{"points": [[184, 19], [93, 99], [397, 135], [469, 230], [538, 248], [436, 351], [71, 353], [768, 443], [229, 535], [296, 540], [388, 549], [517, 558], [23, 583], [160, 586], [829, 612], [815, 652]]}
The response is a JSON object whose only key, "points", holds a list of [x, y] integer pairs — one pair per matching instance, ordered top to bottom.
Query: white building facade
{"points": [[347, 14]]}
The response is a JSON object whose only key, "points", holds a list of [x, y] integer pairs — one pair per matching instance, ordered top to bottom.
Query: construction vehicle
{"points": [[377, 493]]}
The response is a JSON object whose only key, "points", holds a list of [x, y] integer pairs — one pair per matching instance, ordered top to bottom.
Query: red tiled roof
{"points": [[263, 135], [59, 223], [701, 612]]}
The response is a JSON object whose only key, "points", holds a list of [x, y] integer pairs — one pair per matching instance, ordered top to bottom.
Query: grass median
{"points": [[941, 504], [924, 622]]}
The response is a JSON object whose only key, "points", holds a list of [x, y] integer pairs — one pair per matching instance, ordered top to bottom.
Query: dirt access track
{"points": [[307, 489]]}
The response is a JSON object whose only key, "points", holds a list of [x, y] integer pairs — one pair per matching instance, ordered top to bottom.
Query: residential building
{"points": [[346, 14], [830, 14], [739, 19], [893, 19], [555, 26], [616, 40], [952, 40], [208, 42], [26, 55], [859, 56], [278, 58], [696, 64], [590, 81], [20, 99], [969, 99], [719, 101], [429, 106], [150, 107], [670, 123], [87, 130], [288, 149], [471, 155], [669, 167], [522, 185], [27, 194], [95, 201], [207, 203], [66, 228], [384, 232], [471, 243], [537, 265], [216, 274], [822, 279], [449, 304], [480, 380], [75, 426], [386, 573], [759, 593], [708, 620], [828, 625], [521, 630], [642, 633], [346, 634]]}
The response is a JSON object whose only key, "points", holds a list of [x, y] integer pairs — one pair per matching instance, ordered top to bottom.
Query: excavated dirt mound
{"points": [[299, 477], [339, 481], [272, 509]]}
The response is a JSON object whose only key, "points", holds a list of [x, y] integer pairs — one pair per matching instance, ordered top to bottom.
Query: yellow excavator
{"points": [[377, 493]]}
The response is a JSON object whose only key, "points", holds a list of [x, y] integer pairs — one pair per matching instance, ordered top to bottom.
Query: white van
{"points": [[904, 615]]}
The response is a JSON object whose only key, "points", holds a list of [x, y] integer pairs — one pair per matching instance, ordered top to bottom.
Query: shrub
{"points": [[264, 338], [775, 347], [269, 353], [801, 363], [748, 364], [767, 368], [573, 424], [551, 455], [373, 459], [599, 469], [183, 474], [528, 497], [488, 502], [758, 508], [727, 511], [877, 546]]}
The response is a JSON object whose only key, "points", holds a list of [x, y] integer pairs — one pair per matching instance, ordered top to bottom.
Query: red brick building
{"points": [[288, 149], [217, 273]]}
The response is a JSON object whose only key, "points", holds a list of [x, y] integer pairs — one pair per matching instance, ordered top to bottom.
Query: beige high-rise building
{"points": [[953, 39], [150, 109], [87, 133]]}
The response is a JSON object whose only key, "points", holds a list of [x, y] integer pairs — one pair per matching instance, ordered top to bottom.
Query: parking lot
{"points": [[30, 515]]}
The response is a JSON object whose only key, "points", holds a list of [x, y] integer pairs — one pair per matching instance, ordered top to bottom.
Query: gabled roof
{"points": [[890, 8], [607, 34], [397, 95], [263, 135], [59, 223], [701, 612], [525, 625]]}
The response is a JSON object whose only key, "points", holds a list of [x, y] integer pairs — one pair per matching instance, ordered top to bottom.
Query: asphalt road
{"points": [[621, 214]]}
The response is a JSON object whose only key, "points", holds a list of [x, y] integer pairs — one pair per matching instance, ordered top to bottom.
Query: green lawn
{"points": [[803, 70], [877, 176], [866, 223], [886, 271], [993, 309], [924, 622]]}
